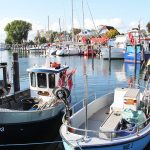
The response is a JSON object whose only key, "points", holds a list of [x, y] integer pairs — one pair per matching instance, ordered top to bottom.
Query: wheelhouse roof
{"points": [[44, 69]]}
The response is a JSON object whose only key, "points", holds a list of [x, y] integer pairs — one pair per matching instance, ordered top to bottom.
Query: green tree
{"points": [[148, 26], [17, 31], [112, 33], [43, 40], [31, 42]]}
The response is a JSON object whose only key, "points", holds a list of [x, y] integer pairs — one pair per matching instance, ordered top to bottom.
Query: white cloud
{"points": [[37, 25]]}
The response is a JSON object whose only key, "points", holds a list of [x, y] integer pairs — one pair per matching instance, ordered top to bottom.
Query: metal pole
{"points": [[83, 14], [48, 23], [72, 24], [59, 26], [109, 53], [135, 61], [85, 99], [86, 103]]}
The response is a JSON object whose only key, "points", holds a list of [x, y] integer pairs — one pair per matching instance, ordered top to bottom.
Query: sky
{"points": [[122, 14]]}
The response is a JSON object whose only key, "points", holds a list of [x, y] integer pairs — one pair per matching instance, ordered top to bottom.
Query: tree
{"points": [[148, 26], [17, 31], [76, 31], [112, 33], [43, 40], [31, 42]]}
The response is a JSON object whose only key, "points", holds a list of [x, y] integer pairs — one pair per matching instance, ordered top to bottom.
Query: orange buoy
{"points": [[54, 65]]}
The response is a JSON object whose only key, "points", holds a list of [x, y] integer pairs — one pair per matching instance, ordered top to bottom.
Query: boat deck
{"points": [[96, 120]]}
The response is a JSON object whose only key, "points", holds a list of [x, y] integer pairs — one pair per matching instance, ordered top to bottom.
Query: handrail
{"points": [[129, 130]]}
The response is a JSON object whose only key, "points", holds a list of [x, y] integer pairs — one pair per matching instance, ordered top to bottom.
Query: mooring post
{"points": [[109, 53], [16, 80]]}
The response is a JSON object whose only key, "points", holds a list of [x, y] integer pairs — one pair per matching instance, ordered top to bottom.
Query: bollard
{"points": [[16, 80]]}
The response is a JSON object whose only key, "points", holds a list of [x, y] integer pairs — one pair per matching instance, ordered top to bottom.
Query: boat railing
{"points": [[79, 105], [108, 135]]}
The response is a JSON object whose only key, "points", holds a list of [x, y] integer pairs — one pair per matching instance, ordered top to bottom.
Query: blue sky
{"points": [[122, 14]]}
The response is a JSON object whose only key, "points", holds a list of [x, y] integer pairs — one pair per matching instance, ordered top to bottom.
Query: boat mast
{"points": [[83, 14], [48, 23], [72, 25], [59, 26]]}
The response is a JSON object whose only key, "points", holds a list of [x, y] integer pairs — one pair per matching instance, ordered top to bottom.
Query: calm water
{"points": [[102, 76]]}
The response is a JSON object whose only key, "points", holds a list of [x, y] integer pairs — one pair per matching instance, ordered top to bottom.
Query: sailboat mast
{"points": [[83, 14], [48, 23], [72, 24], [59, 26]]}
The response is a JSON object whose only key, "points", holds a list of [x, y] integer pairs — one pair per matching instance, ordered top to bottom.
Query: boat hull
{"points": [[90, 53], [116, 53], [130, 57], [30, 132], [136, 144]]}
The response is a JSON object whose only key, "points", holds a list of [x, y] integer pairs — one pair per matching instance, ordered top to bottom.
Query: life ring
{"points": [[55, 65]]}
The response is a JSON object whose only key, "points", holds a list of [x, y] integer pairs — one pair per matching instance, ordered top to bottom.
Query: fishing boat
{"points": [[137, 49], [117, 50], [90, 51], [133, 53], [36, 118], [118, 120]]}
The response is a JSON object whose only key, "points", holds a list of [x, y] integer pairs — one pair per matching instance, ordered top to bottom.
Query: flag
{"points": [[131, 38], [69, 81]]}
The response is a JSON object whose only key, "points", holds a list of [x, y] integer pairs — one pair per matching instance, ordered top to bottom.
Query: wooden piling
{"points": [[16, 80]]}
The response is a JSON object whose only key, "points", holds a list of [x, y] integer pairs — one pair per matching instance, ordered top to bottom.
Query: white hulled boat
{"points": [[117, 48], [69, 50], [119, 120]]}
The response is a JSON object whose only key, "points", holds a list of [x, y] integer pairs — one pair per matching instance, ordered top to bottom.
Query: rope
{"points": [[91, 14], [28, 144]]}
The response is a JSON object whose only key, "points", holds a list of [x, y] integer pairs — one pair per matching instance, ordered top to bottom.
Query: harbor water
{"points": [[93, 76]]}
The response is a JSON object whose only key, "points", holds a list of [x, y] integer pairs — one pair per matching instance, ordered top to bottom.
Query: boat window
{"points": [[1, 74], [41, 77], [51, 78], [33, 79]]}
